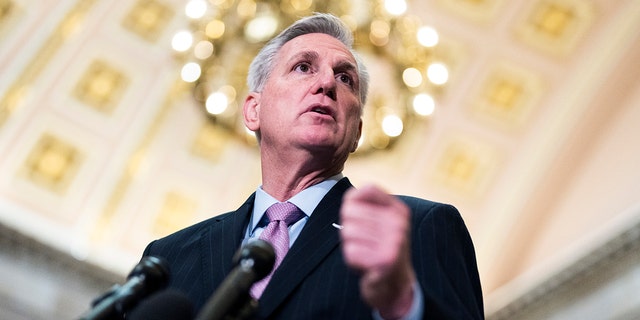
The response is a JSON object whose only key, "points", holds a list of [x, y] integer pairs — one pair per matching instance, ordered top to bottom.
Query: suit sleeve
{"points": [[445, 263]]}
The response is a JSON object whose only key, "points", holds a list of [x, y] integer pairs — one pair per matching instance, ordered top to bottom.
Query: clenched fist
{"points": [[375, 242]]}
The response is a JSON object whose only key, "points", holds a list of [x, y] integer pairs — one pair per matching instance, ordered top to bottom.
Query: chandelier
{"points": [[400, 52]]}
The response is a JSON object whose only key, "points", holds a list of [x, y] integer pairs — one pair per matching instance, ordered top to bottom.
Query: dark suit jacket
{"points": [[313, 281]]}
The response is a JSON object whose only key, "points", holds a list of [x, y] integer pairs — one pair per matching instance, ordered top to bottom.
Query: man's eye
{"points": [[303, 67], [345, 79]]}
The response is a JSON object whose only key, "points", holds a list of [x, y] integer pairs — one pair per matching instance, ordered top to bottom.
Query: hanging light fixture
{"points": [[225, 35]]}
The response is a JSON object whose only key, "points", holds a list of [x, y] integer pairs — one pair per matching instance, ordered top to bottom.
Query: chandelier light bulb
{"points": [[395, 7], [195, 9], [261, 28], [428, 36], [182, 41], [203, 50], [190, 72], [438, 73], [412, 77], [217, 103], [423, 104], [392, 125]]}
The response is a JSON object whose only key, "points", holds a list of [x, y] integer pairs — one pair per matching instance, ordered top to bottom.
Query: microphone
{"points": [[253, 262], [149, 275], [168, 304]]}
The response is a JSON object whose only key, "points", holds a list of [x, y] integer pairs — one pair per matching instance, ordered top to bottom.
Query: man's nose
{"points": [[326, 84]]}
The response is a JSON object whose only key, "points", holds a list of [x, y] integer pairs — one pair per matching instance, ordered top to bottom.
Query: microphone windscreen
{"points": [[262, 255], [154, 271], [164, 305]]}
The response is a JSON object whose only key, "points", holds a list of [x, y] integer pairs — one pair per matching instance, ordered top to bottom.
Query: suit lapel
{"points": [[225, 238], [317, 240]]}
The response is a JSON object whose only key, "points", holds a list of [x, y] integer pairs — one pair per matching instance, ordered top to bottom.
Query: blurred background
{"points": [[119, 124]]}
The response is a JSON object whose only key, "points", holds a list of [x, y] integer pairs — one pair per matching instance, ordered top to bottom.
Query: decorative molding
{"points": [[479, 11], [148, 19], [556, 26], [101, 86], [19, 90], [506, 95], [52, 163], [465, 164], [104, 223], [26, 248], [618, 254], [40, 282]]}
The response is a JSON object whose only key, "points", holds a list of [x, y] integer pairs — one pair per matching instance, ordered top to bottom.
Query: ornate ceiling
{"points": [[534, 137]]}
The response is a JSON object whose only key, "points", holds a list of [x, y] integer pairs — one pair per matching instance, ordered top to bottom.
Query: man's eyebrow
{"points": [[305, 55], [309, 55], [346, 66]]}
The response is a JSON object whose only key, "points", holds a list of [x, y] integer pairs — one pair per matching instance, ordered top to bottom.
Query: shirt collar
{"points": [[307, 200]]}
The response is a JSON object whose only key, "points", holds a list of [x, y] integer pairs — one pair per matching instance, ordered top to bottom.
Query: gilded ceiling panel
{"points": [[475, 10], [148, 19], [556, 26], [101, 87], [506, 95], [52, 163], [464, 164]]}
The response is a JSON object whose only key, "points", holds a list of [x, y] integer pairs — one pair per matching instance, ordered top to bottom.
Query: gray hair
{"points": [[262, 64]]}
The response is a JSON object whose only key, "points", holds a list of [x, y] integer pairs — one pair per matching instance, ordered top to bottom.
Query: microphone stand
{"points": [[149, 275], [232, 301], [245, 310]]}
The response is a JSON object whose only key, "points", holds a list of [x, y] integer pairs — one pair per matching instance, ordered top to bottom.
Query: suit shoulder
{"points": [[423, 205], [432, 212], [194, 231]]}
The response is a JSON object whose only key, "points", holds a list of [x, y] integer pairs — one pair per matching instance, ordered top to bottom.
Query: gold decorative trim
{"points": [[7, 10], [475, 10], [147, 19], [556, 26], [101, 86], [19, 90], [507, 95], [210, 142], [52, 163], [464, 165], [120, 189], [177, 211]]}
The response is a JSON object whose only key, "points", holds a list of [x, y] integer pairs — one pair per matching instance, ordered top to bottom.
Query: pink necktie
{"points": [[281, 215]]}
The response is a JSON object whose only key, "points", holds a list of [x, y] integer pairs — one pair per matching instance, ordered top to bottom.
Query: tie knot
{"points": [[284, 211]]}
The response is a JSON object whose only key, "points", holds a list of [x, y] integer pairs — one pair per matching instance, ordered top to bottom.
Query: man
{"points": [[355, 253]]}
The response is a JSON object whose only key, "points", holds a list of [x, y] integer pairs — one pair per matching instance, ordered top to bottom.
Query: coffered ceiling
{"points": [[534, 137]]}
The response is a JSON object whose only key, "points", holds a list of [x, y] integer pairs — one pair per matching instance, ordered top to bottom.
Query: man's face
{"points": [[311, 98]]}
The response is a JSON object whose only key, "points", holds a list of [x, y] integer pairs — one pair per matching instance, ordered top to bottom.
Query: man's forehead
{"points": [[315, 42]]}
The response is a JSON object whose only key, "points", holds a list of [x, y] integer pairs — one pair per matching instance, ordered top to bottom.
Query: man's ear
{"points": [[251, 111], [355, 143]]}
